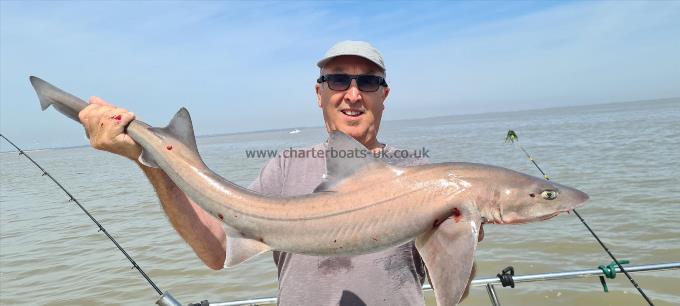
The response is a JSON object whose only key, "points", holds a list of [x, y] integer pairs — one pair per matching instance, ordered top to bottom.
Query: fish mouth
{"points": [[550, 216], [529, 220]]}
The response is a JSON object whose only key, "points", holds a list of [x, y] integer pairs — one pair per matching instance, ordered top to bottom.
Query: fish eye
{"points": [[549, 194]]}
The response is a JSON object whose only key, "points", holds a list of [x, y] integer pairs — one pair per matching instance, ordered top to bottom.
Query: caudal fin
{"points": [[41, 88], [62, 101]]}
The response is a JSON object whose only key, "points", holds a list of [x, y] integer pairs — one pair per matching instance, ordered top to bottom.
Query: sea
{"points": [[626, 156]]}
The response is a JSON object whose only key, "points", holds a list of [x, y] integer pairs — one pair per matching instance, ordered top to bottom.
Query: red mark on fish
{"points": [[169, 147], [456, 215]]}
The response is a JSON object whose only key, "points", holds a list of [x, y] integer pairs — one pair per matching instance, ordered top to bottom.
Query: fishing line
{"points": [[512, 138], [101, 228]]}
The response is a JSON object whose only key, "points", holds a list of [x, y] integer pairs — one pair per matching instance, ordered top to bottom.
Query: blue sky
{"points": [[242, 66]]}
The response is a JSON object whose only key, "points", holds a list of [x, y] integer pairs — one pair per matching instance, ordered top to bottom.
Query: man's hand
{"points": [[105, 125]]}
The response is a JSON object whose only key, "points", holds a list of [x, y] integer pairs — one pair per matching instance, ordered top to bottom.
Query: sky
{"points": [[245, 66]]}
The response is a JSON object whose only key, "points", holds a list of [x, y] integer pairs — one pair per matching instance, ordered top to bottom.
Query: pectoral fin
{"points": [[146, 160], [240, 249], [448, 251]]}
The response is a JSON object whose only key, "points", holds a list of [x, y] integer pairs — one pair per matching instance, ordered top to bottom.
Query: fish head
{"points": [[507, 196], [522, 198]]}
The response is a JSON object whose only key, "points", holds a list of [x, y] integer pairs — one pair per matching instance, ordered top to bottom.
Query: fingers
{"points": [[98, 101], [87, 112], [88, 118], [92, 118], [121, 119], [112, 125], [105, 127]]}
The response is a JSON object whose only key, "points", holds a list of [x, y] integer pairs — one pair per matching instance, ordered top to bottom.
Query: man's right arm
{"points": [[105, 127], [200, 230]]}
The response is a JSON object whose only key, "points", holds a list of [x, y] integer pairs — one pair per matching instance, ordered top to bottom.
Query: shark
{"points": [[364, 204]]}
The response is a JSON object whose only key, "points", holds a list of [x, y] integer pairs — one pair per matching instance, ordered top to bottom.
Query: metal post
{"points": [[492, 295]]}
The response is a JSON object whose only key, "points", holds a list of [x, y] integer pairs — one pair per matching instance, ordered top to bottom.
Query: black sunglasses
{"points": [[365, 82]]}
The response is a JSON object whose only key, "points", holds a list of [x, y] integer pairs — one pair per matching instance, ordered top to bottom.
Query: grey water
{"points": [[625, 155]]}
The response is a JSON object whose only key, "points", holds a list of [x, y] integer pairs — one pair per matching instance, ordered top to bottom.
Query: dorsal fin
{"points": [[179, 128], [345, 157]]}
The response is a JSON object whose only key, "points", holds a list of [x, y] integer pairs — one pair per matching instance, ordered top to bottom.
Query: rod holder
{"points": [[168, 300]]}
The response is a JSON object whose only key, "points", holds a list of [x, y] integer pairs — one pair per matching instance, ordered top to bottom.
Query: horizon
{"points": [[243, 67], [219, 134]]}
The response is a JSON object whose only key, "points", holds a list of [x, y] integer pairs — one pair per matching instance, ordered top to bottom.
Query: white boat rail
{"points": [[490, 282]]}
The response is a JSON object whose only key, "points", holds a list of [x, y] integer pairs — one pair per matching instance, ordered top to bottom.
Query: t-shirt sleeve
{"points": [[271, 179]]}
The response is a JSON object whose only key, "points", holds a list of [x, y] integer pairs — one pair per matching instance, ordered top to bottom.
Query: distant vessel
{"points": [[295, 131]]}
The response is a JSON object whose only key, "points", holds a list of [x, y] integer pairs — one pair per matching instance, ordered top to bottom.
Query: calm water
{"points": [[626, 156]]}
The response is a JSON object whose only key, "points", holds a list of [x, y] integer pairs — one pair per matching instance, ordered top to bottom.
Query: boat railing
{"points": [[490, 282]]}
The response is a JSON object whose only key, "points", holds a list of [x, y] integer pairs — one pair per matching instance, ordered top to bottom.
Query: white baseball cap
{"points": [[356, 48]]}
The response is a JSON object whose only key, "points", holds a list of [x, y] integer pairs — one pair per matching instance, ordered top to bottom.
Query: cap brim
{"points": [[325, 60]]}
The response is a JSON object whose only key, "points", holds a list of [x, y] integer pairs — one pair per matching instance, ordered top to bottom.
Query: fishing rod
{"points": [[512, 137], [166, 298]]}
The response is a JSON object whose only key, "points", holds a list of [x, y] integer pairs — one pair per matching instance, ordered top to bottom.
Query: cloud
{"points": [[586, 52], [243, 66]]}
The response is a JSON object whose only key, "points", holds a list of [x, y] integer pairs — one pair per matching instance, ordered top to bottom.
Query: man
{"points": [[351, 92]]}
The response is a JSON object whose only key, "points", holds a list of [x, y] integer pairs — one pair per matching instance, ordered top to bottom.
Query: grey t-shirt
{"points": [[390, 277]]}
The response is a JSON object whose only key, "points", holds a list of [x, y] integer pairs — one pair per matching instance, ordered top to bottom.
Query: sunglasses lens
{"points": [[338, 81], [368, 82]]}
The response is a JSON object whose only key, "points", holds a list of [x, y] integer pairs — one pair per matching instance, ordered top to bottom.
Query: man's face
{"points": [[351, 111]]}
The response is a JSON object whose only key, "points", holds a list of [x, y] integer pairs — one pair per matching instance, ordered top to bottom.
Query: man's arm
{"points": [[105, 126], [200, 230]]}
